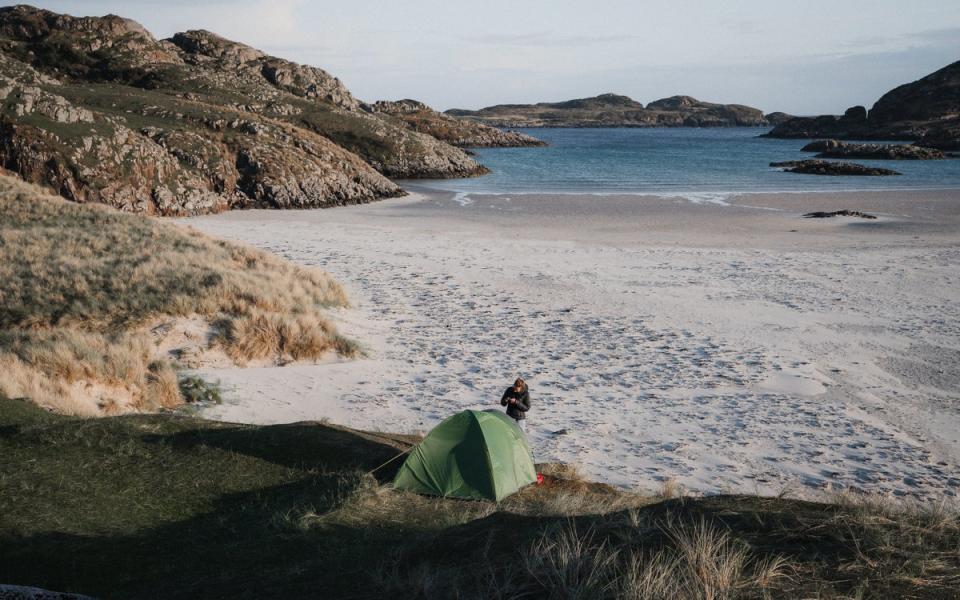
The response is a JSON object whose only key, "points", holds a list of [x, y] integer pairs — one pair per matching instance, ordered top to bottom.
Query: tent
{"points": [[473, 454]]}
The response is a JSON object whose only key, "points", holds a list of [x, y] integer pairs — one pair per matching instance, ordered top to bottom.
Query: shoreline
{"points": [[430, 186], [627, 316]]}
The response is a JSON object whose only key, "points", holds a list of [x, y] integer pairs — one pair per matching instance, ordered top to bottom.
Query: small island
{"points": [[614, 110]]}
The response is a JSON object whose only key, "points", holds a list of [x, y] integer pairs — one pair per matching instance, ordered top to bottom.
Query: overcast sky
{"points": [[806, 57]]}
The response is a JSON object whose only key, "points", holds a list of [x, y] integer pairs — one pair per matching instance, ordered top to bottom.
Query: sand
{"points": [[723, 342]]}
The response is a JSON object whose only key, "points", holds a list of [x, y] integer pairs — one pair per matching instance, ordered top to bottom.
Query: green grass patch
{"points": [[168, 506]]}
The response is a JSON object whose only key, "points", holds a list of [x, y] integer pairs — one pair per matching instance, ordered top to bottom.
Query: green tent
{"points": [[473, 454]]}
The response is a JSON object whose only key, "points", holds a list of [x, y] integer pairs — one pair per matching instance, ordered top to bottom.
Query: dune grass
{"points": [[82, 282], [168, 506]]}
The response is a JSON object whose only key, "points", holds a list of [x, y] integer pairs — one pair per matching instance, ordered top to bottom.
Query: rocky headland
{"points": [[99, 110], [613, 110], [926, 111], [457, 132], [829, 167]]}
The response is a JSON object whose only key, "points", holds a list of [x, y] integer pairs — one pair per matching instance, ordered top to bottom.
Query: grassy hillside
{"points": [[88, 292], [165, 506]]}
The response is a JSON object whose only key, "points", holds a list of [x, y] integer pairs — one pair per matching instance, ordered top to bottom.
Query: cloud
{"points": [[930, 37], [543, 39]]}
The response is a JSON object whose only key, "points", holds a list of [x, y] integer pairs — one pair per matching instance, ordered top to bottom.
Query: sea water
{"points": [[698, 163]]}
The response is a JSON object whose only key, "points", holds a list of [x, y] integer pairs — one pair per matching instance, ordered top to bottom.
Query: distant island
{"points": [[614, 110], [926, 111], [461, 133]]}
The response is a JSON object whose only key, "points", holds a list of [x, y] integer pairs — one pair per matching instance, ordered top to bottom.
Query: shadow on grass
{"points": [[304, 446], [159, 506], [238, 544]]}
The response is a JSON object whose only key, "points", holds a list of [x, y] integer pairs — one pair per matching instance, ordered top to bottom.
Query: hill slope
{"points": [[99, 110], [612, 110], [927, 110]]}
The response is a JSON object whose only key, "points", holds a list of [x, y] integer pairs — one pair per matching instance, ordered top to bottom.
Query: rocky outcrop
{"points": [[80, 45], [200, 47], [31, 100], [612, 110], [101, 111], [926, 111], [775, 118], [852, 125], [452, 130], [944, 137], [838, 149], [827, 167], [838, 213]]}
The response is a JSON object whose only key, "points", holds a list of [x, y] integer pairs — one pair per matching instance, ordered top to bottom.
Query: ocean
{"points": [[698, 163]]}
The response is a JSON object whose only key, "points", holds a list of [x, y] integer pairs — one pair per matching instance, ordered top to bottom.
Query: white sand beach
{"points": [[728, 344]]}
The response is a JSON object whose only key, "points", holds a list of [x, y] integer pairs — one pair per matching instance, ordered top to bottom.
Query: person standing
{"points": [[517, 401]]}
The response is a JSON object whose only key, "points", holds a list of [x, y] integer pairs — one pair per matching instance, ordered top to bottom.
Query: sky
{"points": [[809, 57]]}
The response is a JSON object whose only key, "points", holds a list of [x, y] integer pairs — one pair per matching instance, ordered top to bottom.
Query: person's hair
{"points": [[521, 383]]}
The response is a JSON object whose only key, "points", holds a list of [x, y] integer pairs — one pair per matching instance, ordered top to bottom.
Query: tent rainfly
{"points": [[479, 455]]}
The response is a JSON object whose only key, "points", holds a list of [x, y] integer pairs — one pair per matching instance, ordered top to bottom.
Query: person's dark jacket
{"points": [[519, 409]]}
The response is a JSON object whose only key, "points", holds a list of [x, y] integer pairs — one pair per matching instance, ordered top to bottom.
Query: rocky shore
{"points": [[99, 110]]}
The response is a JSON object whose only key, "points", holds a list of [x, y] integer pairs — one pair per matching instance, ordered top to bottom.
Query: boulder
{"points": [[856, 114], [775, 118], [826, 167]]}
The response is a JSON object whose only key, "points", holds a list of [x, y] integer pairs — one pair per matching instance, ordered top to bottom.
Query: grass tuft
{"points": [[82, 283], [197, 390]]}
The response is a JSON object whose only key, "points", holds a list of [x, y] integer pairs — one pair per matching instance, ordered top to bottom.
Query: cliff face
{"points": [[612, 110], [927, 110], [101, 111], [457, 132]]}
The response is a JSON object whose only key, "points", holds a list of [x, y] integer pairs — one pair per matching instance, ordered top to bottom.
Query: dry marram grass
{"points": [[82, 282], [701, 562]]}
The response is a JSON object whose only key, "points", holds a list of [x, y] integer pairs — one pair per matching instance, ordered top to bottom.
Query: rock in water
{"points": [[838, 149], [826, 167]]}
